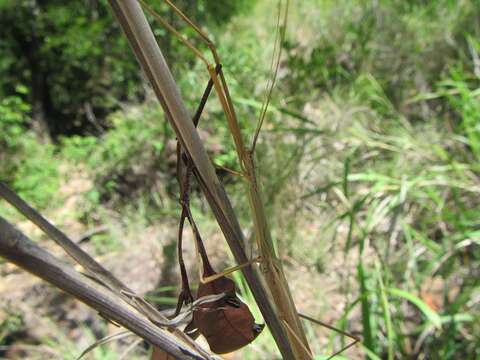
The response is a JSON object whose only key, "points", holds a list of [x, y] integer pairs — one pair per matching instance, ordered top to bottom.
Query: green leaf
{"points": [[366, 313], [429, 313], [386, 315]]}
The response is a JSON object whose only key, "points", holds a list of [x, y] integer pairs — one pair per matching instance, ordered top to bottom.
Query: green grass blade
{"points": [[365, 305], [429, 313], [386, 316]]}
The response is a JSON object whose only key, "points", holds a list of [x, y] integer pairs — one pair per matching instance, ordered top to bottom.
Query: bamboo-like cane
{"points": [[139, 33], [20, 250], [94, 269]]}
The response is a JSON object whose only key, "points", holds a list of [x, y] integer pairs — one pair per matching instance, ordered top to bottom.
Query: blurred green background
{"points": [[369, 158]]}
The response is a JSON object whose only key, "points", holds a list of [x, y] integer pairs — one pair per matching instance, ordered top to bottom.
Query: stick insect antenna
{"points": [[274, 66], [354, 338]]}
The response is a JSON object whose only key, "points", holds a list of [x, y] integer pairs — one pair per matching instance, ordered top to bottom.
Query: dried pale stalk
{"points": [[137, 29], [18, 249], [95, 270], [290, 339]]}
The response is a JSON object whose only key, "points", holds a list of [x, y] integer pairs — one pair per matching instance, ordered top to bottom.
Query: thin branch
{"points": [[20, 250], [94, 269]]}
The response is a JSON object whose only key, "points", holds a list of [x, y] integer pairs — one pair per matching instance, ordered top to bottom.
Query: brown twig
{"points": [[20, 250]]}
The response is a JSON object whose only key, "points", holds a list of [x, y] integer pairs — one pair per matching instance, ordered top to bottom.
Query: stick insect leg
{"points": [[220, 86], [227, 105], [196, 118], [233, 172], [184, 174], [183, 181], [201, 252], [203, 258], [208, 279], [185, 294], [295, 337], [354, 338]]}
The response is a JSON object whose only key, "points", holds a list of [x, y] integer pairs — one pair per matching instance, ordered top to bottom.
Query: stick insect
{"points": [[270, 264], [227, 323]]}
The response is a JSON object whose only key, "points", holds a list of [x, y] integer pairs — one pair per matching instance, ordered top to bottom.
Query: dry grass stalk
{"points": [[20, 250], [96, 271], [281, 317]]}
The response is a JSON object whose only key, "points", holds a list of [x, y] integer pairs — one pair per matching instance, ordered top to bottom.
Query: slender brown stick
{"points": [[17, 248], [91, 266], [354, 338]]}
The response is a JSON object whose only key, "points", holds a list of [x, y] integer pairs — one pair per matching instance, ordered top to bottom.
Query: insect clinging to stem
{"points": [[209, 320], [227, 324]]}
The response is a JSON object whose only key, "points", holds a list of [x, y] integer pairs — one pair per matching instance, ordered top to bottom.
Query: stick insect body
{"points": [[271, 265], [227, 324]]}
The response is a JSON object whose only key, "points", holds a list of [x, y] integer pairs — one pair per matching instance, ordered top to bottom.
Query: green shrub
{"points": [[30, 167]]}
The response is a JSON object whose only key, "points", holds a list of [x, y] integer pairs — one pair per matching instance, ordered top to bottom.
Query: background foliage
{"points": [[369, 157]]}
